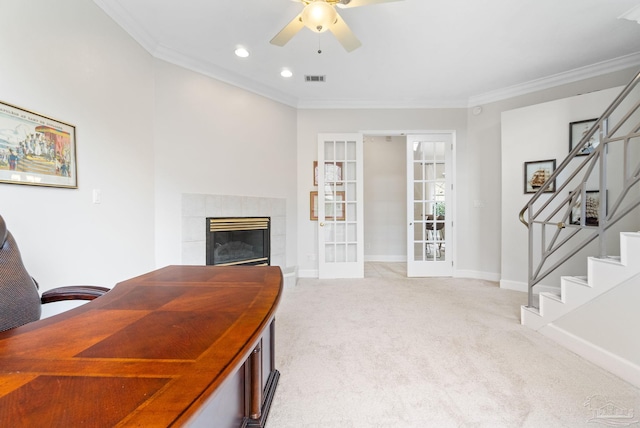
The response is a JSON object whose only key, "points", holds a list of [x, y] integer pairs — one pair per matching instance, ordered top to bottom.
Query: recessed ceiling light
{"points": [[242, 52], [286, 73]]}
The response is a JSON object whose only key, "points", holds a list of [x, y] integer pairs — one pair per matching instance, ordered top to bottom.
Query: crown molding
{"points": [[113, 9], [123, 20], [157, 50], [223, 75], [571, 76], [382, 104]]}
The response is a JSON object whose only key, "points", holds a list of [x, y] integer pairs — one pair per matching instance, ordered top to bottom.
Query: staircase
{"points": [[595, 198], [595, 202], [603, 275]]}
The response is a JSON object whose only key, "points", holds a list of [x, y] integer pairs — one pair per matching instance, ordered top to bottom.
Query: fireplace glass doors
{"points": [[234, 241]]}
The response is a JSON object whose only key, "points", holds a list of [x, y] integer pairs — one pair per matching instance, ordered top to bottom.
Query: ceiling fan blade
{"points": [[356, 3], [287, 33], [345, 36]]}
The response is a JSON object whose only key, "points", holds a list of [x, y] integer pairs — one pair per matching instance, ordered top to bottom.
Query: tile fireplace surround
{"points": [[197, 207]]}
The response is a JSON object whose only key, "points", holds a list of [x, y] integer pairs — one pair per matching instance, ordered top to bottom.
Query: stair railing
{"points": [[594, 188]]}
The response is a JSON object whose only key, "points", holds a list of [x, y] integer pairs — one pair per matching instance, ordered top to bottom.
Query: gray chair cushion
{"points": [[19, 298]]}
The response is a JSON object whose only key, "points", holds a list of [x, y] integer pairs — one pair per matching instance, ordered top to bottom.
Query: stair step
{"points": [[629, 244], [608, 272], [602, 275], [575, 291], [551, 295], [551, 306], [530, 317]]}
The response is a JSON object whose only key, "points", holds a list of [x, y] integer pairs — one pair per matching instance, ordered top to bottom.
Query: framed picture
{"points": [[577, 130], [36, 150], [332, 172], [537, 173], [334, 209], [592, 209]]}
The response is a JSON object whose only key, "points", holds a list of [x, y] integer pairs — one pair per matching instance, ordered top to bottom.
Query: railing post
{"points": [[602, 208], [530, 269]]}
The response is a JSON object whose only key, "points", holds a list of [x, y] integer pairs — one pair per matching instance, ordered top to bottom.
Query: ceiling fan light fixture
{"points": [[318, 16]]}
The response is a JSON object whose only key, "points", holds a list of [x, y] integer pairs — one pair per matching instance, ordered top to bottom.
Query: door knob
{"points": [[321, 224]]}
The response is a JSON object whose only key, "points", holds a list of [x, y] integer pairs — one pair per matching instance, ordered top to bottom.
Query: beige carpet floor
{"points": [[390, 351]]}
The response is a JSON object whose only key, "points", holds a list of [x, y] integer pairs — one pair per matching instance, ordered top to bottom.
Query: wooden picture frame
{"points": [[579, 129], [36, 150], [332, 172], [536, 174], [339, 206]]}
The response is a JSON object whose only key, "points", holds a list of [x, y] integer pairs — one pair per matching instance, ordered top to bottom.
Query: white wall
{"points": [[68, 60], [140, 120], [314, 121], [533, 133], [213, 138], [385, 201]]}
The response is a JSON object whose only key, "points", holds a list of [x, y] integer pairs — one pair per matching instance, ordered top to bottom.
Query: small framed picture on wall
{"points": [[577, 131], [536, 175]]}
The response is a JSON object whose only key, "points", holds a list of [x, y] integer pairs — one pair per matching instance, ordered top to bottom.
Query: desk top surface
{"points": [[148, 353]]}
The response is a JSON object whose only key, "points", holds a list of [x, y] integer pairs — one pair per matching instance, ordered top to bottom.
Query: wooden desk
{"points": [[183, 345]]}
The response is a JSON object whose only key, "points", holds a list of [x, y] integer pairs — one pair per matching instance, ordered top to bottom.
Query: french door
{"points": [[429, 200], [339, 206]]}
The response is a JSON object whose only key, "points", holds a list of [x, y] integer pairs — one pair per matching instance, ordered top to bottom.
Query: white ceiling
{"points": [[415, 53]]}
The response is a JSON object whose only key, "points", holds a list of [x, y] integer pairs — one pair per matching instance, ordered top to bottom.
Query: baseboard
{"points": [[386, 259], [308, 273], [487, 276], [514, 285], [524, 287], [624, 369]]}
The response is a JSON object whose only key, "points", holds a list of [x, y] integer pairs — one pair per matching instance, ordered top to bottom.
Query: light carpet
{"points": [[391, 351]]}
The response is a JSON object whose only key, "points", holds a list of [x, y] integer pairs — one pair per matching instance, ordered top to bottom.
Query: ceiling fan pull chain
{"points": [[319, 47]]}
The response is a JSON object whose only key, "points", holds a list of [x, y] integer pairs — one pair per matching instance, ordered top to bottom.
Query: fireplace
{"points": [[237, 241]]}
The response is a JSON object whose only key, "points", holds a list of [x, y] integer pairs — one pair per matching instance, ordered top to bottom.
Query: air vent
{"points": [[308, 78]]}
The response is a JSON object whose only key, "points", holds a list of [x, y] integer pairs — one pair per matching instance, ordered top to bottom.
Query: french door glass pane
{"points": [[340, 194], [429, 200]]}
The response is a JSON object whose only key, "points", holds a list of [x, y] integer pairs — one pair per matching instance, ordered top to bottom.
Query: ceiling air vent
{"points": [[308, 78]]}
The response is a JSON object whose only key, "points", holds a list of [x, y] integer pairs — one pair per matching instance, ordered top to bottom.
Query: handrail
{"points": [[617, 129], [521, 216]]}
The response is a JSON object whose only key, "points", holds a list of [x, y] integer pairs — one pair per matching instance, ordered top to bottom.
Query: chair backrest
{"points": [[19, 298]]}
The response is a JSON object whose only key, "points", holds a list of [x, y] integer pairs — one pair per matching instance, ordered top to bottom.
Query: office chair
{"points": [[19, 299]]}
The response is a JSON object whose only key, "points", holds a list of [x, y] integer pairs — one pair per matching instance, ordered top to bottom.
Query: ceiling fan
{"points": [[320, 16]]}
